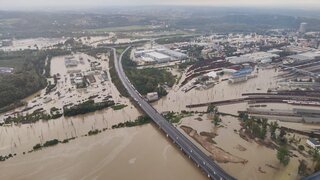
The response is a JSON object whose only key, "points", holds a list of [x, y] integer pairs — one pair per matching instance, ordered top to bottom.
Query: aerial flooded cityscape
{"points": [[194, 90]]}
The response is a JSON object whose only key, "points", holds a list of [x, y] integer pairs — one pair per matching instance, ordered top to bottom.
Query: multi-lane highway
{"points": [[207, 165]]}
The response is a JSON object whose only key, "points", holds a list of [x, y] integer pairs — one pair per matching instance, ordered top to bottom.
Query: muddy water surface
{"points": [[128, 153]]}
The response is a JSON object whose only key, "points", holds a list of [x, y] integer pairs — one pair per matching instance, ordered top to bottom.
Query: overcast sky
{"points": [[12, 4]]}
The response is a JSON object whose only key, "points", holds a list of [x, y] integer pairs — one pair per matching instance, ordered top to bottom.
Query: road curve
{"points": [[192, 151]]}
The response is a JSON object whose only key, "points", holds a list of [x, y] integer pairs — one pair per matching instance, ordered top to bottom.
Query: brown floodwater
{"points": [[177, 100], [21, 138], [128, 153], [136, 153], [258, 156]]}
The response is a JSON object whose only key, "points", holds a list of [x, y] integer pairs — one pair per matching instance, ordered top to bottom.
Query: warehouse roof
{"points": [[158, 55]]}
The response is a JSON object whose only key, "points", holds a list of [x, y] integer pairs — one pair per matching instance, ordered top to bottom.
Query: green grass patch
{"points": [[120, 50], [118, 106]]}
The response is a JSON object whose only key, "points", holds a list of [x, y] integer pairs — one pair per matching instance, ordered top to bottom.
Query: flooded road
{"points": [[128, 153]]}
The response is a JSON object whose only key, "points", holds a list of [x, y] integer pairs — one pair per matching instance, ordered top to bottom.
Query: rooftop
{"points": [[158, 55], [314, 141]]}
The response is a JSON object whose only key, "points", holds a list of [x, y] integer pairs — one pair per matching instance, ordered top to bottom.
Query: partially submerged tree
{"points": [[283, 155]]}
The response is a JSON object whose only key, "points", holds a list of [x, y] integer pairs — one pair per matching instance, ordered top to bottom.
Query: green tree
{"points": [[212, 109], [243, 116], [216, 119], [273, 127], [283, 155], [315, 155], [302, 170]]}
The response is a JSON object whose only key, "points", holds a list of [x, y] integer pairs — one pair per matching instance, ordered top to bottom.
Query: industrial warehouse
{"points": [[157, 55]]}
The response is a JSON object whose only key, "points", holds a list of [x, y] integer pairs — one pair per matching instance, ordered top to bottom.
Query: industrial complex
{"points": [[157, 55]]}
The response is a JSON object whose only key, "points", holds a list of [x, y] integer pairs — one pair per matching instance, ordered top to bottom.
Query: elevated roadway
{"points": [[207, 165]]}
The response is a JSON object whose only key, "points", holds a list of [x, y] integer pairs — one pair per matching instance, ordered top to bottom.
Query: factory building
{"points": [[141, 53], [174, 54], [158, 55], [304, 57], [160, 58]]}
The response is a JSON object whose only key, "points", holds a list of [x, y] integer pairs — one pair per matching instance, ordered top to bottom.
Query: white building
{"points": [[140, 53], [175, 54], [304, 56], [158, 57], [212, 75], [78, 80], [153, 96], [314, 143]]}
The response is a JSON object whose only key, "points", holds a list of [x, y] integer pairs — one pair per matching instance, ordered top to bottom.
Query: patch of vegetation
{"points": [[175, 39], [119, 50], [194, 51], [28, 76], [148, 79], [12, 106], [118, 106], [86, 107], [212, 109], [55, 113], [174, 117], [28, 118], [216, 119], [141, 120], [255, 127], [93, 132], [52, 142], [37, 147], [301, 147], [283, 155], [4, 158], [316, 160], [303, 168]]}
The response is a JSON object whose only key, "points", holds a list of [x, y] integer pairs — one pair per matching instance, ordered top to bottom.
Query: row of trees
{"points": [[86, 107], [141, 120], [258, 128]]}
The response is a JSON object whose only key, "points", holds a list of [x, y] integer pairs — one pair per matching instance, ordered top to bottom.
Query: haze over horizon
{"points": [[66, 4]]}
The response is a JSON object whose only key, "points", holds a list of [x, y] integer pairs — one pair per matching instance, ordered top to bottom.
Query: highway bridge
{"points": [[206, 164]]}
